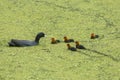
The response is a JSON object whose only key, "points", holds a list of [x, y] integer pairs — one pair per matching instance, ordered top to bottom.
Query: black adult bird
{"points": [[23, 43], [79, 46], [71, 48]]}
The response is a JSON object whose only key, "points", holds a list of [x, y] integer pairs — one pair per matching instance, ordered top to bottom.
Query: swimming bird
{"points": [[93, 36], [66, 40], [54, 41], [23, 43], [79, 46], [71, 48]]}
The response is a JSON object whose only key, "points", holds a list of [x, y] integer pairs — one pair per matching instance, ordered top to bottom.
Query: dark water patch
{"points": [[69, 8], [47, 50], [100, 53], [85, 54], [61, 57]]}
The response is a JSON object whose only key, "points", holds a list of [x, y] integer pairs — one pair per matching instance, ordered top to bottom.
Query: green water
{"points": [[77, 19]]}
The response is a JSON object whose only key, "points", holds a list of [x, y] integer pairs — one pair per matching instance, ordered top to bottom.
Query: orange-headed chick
{"points": [[93, 36], [66, 40], [53, 41], [79, 46], [71, 48]]}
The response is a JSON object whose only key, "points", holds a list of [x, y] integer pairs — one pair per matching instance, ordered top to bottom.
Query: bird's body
{"points": [[96, 36], [66, 40], [57, 41], [23, 43], [80, 47], [72, 49]]}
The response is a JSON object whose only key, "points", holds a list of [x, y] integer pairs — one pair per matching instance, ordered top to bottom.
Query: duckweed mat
{"points": [[77, 19]]}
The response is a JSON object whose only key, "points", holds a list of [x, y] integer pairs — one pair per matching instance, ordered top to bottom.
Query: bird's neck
{"points": [[37, 39], [65, 39], [77, 45], [69, 46]]}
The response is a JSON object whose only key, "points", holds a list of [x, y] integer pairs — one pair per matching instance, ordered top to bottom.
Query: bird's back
{"points": [[22, 43]]}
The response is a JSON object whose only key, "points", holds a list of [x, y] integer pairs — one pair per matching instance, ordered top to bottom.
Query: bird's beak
{"points": [[45, 36]]}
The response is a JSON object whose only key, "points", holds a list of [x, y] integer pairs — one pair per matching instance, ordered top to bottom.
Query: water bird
{"points": [[93, 36], [66, 40], [54, 41], [23, 43], [71, 48]]}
